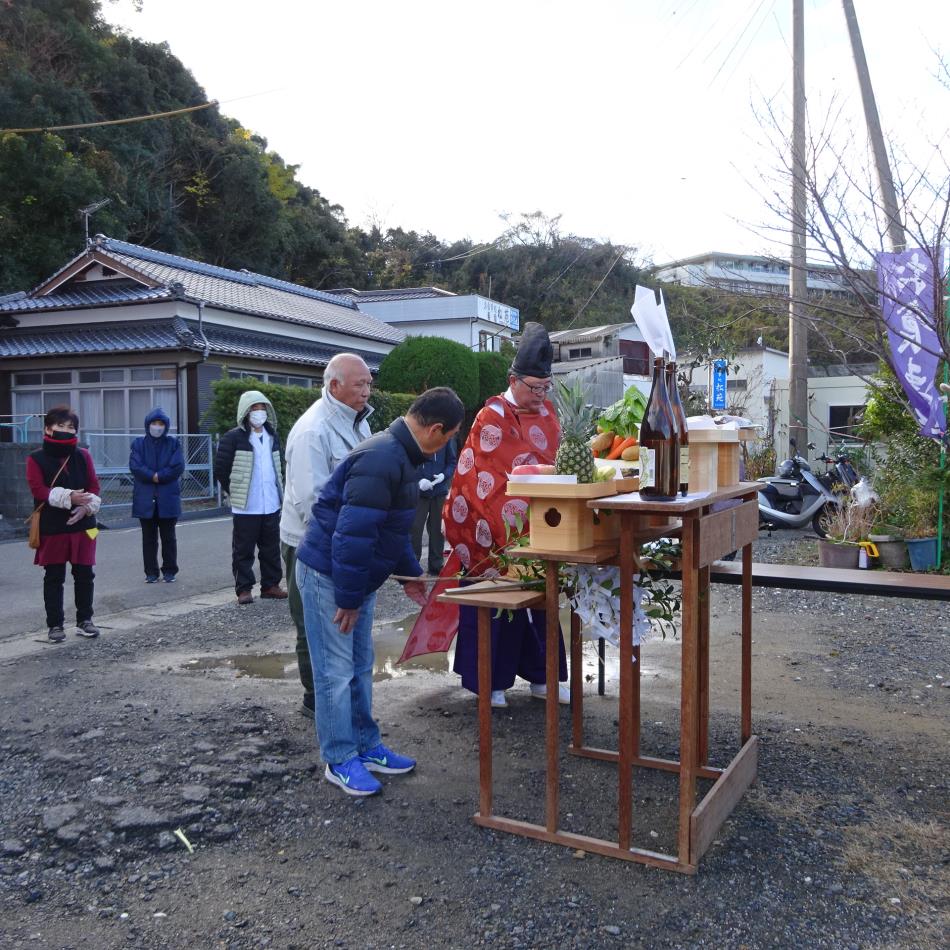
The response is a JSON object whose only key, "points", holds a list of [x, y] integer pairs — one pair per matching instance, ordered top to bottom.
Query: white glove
{"points": [[438, 478], [425, 484]]}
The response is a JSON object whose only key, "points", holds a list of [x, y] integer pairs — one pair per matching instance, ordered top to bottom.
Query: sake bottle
{"points": [[679, 415], [659, 444]]}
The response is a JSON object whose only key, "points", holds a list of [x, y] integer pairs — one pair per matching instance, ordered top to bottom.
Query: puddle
{"points": [[388, 641]]}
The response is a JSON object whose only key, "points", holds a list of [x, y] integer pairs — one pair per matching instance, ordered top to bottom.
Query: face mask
{"points": [[258, 417], [156, 431], [64, 436]]}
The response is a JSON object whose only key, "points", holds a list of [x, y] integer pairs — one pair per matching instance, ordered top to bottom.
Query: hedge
{"points": [[421, 362], [492, 374], [290, 403]]}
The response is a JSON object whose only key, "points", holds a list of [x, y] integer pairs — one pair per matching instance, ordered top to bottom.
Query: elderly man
{"points": [[518, 427], [320, 439], [357, 537]]}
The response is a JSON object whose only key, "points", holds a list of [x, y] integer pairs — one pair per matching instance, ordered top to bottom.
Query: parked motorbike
{"points": [[841, 475], [795, 496]]}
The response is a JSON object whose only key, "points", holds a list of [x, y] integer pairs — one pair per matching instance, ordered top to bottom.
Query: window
{"points": [[579, 353], [277, 378], [733, 385], [842, 421]]}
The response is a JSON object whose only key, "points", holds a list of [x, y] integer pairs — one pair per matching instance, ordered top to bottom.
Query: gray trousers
{"points": [[429, 511]]}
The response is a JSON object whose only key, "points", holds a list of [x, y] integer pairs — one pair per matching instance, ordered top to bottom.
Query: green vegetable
{"points": [[624, 416]]}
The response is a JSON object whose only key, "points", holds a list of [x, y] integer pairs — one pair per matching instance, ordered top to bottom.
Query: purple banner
{"points": [[906, 280]]}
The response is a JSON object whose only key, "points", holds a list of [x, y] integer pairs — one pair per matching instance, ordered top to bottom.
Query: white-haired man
{"points": [[320, 439]]}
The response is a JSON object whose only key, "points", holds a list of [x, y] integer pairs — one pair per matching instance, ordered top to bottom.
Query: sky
{"points": [[639, 121]]}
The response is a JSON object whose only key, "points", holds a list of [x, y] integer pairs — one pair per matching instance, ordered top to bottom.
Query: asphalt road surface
{"points": [[204, 561]]}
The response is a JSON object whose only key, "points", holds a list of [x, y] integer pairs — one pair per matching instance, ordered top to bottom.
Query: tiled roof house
{"points": [[121, 328]]}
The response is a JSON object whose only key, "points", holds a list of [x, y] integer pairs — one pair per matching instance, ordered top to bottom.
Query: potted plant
{"points": [[846, 526], [920, 530], [886, 533]]}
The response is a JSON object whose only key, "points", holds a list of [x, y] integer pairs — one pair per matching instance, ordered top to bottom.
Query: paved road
{"points": [[204, 557]]}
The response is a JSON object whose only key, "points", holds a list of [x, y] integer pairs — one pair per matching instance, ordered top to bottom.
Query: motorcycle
{"points": [[841, 475], [795, 496]]}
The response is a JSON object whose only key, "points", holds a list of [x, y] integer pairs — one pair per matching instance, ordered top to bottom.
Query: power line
{"points": [[92, 125], [616, 260]]}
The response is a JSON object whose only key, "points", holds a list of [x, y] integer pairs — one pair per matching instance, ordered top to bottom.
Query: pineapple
{"points": [[574, 456]]}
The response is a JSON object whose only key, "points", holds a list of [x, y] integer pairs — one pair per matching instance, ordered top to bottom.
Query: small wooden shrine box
{"points": [[713, 455], [558, 516]]}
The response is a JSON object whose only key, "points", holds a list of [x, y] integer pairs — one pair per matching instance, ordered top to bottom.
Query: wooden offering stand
{"points": [[706, 536]]}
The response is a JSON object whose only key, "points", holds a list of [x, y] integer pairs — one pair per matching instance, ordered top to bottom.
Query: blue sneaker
{"points": [[151, 578], [169, 578], [381, 759], [352, 777]]}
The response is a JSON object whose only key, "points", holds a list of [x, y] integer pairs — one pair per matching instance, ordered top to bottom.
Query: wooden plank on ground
{"points": [[837, 580], [716, 807]]}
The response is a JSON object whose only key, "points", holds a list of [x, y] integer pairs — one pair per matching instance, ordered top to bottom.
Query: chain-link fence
{"points": [[110, 452]]}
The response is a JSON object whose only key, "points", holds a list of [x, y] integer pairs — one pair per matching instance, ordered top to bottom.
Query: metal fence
{"points": [[110, 452]]}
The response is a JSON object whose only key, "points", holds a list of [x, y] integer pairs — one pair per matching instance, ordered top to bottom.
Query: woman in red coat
{"points": [[63, 479]]}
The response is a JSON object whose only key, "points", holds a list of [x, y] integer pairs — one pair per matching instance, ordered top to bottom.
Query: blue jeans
{"points": [[342, 670]]}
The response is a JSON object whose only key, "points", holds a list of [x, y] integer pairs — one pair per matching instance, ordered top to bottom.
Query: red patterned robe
{"points": [[477, 507]]}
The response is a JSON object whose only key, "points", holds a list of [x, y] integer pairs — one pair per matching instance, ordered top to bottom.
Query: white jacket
{"points": [[319, 440]]}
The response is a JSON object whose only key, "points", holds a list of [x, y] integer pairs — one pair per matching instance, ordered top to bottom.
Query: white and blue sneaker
{"points": [[381, 759], [352, 777]]}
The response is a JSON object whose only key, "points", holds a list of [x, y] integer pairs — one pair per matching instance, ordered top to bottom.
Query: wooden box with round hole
{"points": [[558, 516]]}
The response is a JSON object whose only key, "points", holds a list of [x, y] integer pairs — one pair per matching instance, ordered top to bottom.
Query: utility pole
{"points": [[895, 230], [798, 272]]}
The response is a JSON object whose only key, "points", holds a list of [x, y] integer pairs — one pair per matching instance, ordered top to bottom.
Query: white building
{"points": [[744, 274], [470, 319], [757, 387]]}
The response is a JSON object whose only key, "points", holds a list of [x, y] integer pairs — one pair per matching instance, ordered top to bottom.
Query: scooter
{"points": [[840, 474], [795, 497]]}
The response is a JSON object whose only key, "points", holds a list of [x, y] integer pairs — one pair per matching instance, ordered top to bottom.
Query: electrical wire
{"points": [[92, 125], [616, 260]]}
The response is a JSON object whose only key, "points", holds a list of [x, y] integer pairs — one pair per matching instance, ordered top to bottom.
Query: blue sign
{"points": [[718, 399]]}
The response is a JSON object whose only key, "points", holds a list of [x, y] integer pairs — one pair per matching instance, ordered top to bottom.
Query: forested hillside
{"points": [[201, 185]]}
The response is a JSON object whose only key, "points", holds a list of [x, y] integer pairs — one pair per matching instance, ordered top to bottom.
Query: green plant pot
{"points": [[892, 551], [923, 553], [832, 554]]}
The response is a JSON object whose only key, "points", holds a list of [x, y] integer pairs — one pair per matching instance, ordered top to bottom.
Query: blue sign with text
{"points": [[718, 400]]}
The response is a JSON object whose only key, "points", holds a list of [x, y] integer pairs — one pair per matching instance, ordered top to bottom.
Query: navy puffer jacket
{"points": [[148, 456], [359, 533]]}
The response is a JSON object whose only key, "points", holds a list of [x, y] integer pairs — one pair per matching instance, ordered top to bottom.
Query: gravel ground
{"points": [[109, 747]]}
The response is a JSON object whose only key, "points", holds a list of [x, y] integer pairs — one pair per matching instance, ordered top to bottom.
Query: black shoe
{"points": [[58, 634], [306, 707]]}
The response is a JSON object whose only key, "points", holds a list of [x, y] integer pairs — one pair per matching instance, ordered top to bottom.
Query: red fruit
{"points": [[533, 470]]}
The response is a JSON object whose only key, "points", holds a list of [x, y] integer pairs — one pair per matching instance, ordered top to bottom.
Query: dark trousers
{"points": [[429, 511], [152, 529], [263, 533], [53, 581], [296, 614]]}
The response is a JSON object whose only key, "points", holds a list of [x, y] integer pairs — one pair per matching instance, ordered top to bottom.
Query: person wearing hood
{"points": [[157, 462], [248, 467], [65, 489]]}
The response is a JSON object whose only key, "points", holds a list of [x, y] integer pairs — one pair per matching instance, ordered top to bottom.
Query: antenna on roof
{"points": [[87, 212]]}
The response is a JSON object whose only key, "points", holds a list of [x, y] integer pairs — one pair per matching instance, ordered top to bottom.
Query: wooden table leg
{"points": [[552, 595], [702, 671], [628, 676], [577, 683], [746, 687], [484, 712], [689, 719]]}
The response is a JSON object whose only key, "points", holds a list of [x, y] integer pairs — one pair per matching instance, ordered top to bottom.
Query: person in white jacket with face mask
{"points": [[319, 440]]}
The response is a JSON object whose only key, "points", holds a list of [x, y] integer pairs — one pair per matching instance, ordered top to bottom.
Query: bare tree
{"points": [[847, 226]]}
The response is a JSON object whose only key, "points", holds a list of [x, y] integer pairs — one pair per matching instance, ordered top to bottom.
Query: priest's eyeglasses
{"points": [[544, 390]]}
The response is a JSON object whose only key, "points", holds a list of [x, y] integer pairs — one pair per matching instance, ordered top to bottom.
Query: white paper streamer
{"points": [[653, 321], [596, 600]]}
